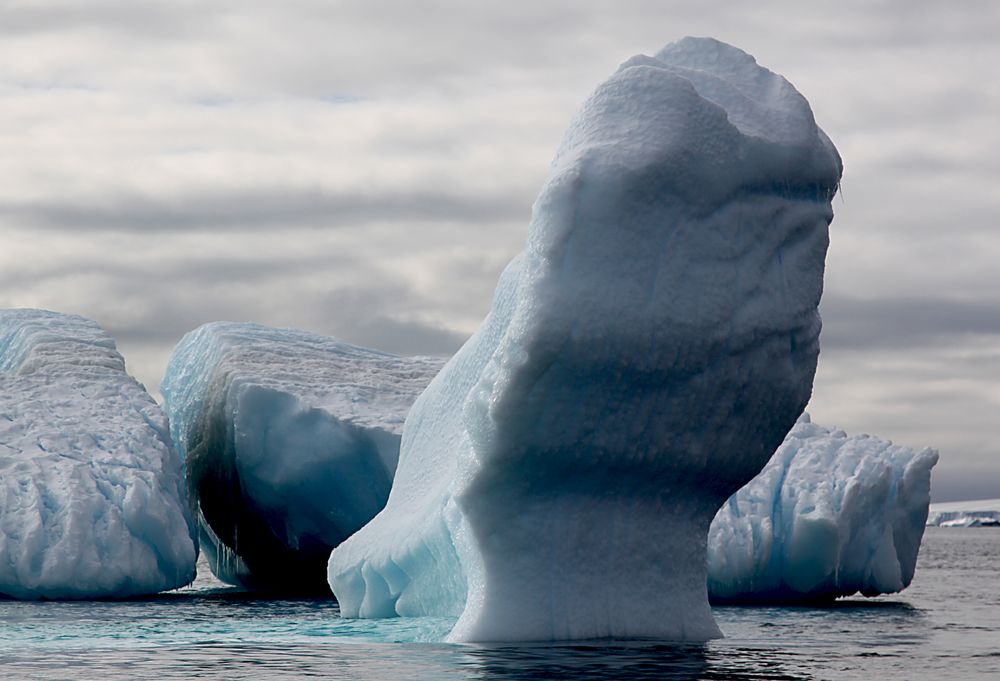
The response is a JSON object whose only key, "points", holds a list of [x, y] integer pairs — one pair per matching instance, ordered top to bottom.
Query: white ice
{"points": [[644, 357], [290, 441], [91, 491], [975, 513], [830, 515]]}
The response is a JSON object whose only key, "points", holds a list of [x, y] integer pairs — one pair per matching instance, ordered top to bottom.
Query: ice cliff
{"points": [[645, 355], [290, 441], [90, 487], [830, 515]]}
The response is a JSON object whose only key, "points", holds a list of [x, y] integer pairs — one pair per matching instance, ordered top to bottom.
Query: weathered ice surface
{"points": [[644, 357], [290, 441], [91, 491], [830, 515]]}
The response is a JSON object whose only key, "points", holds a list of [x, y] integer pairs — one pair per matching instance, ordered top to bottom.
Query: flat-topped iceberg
{"points": [[644, 357], [290, 441], [91, 490], [974, 513], [830, 515]]}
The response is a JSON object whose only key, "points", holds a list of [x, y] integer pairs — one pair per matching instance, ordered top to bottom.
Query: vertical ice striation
{"points": [[643, 358], [290, 441], [91, 491], [830, 515]]}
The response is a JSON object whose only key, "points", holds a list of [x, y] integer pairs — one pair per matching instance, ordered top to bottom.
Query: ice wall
{"points": [[643, 358], [290, 441], [91, 492], [830, 515]]}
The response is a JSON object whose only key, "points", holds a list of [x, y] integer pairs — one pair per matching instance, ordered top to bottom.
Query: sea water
{"points": [[945, 626]]}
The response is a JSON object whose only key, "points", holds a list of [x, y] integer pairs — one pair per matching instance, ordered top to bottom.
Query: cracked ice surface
{"points": [[91, 502]]}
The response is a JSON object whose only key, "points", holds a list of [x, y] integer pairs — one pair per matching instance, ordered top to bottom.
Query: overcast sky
{"points": [[365, 169]]}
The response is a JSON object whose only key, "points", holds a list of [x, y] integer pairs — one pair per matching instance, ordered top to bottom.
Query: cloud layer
{"points": [[367, 169]]}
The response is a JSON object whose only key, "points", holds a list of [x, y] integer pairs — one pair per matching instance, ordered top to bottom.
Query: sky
{"points": [[365, 169]]}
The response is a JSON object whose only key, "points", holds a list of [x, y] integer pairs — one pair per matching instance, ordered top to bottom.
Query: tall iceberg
{"points": [[643, 358], [290, 441], [91, 491], [830, 515]]}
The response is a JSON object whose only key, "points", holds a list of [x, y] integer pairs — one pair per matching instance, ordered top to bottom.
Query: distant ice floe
{"points": [[644, 357], [290, 441], [91, 490], [977, 513], [830, 515]]}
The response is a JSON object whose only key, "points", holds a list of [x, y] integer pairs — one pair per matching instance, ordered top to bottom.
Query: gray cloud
{"points": [[107, 16], [366, 171], [257, 209], [205, 271], [859, 325], [955, 485]]}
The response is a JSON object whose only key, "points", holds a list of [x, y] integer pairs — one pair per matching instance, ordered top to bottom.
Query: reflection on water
{"points": [[846, 622], [946, 626], [394, 661], [585, 662], [623, 662]]}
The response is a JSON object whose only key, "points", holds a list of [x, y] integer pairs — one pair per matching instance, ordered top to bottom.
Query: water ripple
{"points": [[946, 626]]}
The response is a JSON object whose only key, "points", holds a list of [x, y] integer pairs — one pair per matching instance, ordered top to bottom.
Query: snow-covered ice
{"points": [[644, 357], [290, 441], [91, 490], [976, 513], [830, 515]]}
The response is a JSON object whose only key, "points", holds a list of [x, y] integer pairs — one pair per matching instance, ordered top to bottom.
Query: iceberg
{"points": [[644, 356], [290, 441], [91, 493], [976, 513], [829, 516]]}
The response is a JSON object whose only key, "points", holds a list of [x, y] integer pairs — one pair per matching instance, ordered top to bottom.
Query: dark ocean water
{"points": [[945, 626]]}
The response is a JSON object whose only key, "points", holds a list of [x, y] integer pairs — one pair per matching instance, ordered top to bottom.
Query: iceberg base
{"points": [[613, 567]]}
